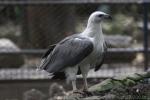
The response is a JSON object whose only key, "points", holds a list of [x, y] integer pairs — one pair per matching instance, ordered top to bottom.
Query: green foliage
{"points": [[18, 13], [121, 24]]}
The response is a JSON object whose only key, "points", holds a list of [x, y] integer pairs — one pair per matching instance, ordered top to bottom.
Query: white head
{"points": [[98, 16], [94, 23]]}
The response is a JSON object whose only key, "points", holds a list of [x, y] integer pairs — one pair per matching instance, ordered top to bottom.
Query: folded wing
{"points": [[68, 53], [100, 60]]}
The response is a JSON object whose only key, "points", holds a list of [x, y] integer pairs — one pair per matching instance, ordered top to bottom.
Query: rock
{"points": [[118, 41], [7, 61], [105, 85], [116, 89], [56, 91], [33, 94], [74, 96], [107, 97], [92, 98]]}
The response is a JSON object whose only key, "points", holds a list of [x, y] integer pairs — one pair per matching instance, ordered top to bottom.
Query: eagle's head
{"points": [[98, 16]]}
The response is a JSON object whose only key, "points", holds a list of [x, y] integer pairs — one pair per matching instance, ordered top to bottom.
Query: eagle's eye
{"points": [[100, 15]]}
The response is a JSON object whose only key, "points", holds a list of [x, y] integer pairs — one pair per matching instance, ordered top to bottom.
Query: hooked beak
{"points": [[107, 17]]}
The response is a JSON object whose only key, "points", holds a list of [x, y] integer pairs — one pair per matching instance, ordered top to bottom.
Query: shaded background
{"points": [[28, 28]]}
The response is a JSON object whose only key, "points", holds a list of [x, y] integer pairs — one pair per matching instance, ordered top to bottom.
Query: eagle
{"points": [[78, 53]]}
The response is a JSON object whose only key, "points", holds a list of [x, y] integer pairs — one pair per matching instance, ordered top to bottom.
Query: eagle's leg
{"points": [[84, 71], [71, 76], [74, 85], [85, 88]]}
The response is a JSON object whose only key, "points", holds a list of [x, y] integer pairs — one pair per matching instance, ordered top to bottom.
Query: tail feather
{"points": [[43, 64], [59, 75]]}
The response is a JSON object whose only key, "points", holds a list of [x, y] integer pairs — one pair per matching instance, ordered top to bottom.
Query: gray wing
{"points": [[51, 47], [68, 52], [45, 55], [101, 58]]}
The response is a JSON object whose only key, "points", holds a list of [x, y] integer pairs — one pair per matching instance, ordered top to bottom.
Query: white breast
{"points": [[96, 53]]}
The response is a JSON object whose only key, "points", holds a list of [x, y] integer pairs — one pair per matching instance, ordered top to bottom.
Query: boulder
{"points": [[9, 60], [56, 90], [33, 94]]}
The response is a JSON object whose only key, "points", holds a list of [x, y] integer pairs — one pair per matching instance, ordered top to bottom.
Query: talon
{"points": [[78, 91], [87, 93]]}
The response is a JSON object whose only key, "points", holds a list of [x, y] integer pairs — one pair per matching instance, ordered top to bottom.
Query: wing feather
{"points": [[51, 47], [67, 53], [45, 55], [102, 57]]}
